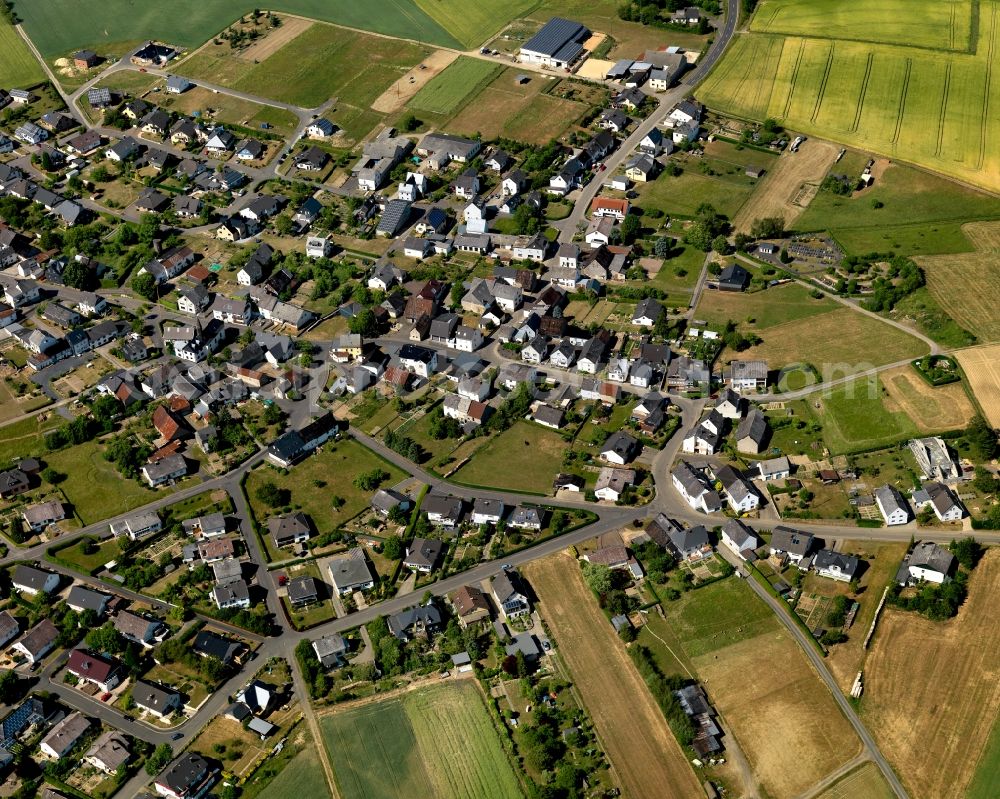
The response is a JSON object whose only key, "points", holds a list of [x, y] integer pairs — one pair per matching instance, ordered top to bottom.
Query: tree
{"points": [[410, 123], [768, 227], [630, 228], [699, 235], [720, 244], [661, 247], [77, 275], [144, 285], [364, 323], [982, 437], [52, 476], [369, 481], [271, 495], [392, 547], [967, 552], [598, 578], [104, 639], [10, 687], [162, 755]]}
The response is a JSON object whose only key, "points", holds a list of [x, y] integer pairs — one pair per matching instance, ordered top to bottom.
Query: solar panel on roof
{"points": [[554, 35]]}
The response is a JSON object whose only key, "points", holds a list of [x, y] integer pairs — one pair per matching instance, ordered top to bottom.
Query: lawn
{"points": [[474, 23], [57, 27], [321, 62], [18, 67], [447, 91], [916, 94], [229, 110], [683, 194], [921, 213], [669, 278], [775, 306], [839, 343], [12, 406], [854, 418], [24, 439], [527, 457], [314, 483], [94, 487], [74, 554], [716, 616], [436, 741], [987, 775], [303, 776]]}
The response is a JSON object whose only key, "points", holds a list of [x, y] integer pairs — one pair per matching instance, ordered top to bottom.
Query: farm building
{"points": [[558, 44]]}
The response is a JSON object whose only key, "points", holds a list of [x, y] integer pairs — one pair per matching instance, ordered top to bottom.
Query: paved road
{"points": [[810, 651]]}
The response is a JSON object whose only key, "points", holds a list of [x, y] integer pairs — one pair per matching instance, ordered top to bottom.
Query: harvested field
{"points": [[276, 38], [402, 91], [785, 190], [985, 236], [967, 286], [839, 343], [982, 370], [932, 408], [932, 689], [790, 729], [644, 753], [865, 781]]}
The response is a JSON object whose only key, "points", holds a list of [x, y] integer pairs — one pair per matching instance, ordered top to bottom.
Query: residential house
{"points": [[641, 168], [733, 278], [647, 313], [748, 376], [752, 433], [705, 436], [620, 448], [934, 460], [774, 468], [167, 470], [612, 483], [692, 485], [738, 491], [939, 498], [891, 504], [486, 510], [442, 511], [38, 517], [137, 526], [295, 528], [740, 539], [689, 543], [793, 544], [423, 554], [926, 562], [836, 565], [351, 572], [32, 581], [233, 595], [510, 596], [81, 599], [471, 606], [418, 621], [139, 629], [38, 641], [331, 650], [104, 672], [61, 739], [109, 753], [188, 777]]}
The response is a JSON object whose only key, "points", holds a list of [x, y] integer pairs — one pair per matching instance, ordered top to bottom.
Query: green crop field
{"points": [[473, 23], [941, 25], [57, 26], [321, 62], [18, 67], [446, 92], [928, 99], [434, 742], [302, 777]]}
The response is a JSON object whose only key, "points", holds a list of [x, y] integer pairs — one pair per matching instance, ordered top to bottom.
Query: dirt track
{"points": [[396, 96], [779, 188], [932, 690], [646, 757]]}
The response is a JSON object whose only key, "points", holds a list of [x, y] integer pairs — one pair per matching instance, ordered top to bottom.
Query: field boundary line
{"points": [[822, 84], [864, 91], [903, 92], [943, 112]]}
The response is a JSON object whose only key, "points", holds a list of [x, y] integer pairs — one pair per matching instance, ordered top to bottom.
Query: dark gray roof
{"points": [[559, 39], [394, 217], [752, 426], [795, 542], [827, 558]]}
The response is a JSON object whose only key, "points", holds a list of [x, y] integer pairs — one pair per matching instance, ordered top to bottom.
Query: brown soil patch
{"points": [[276, 38], [594, 41], [595, 68], [398, 95], [788, 188], [982, 369], [931, 408], [932, 690], [783, 717], [644, 753]]}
